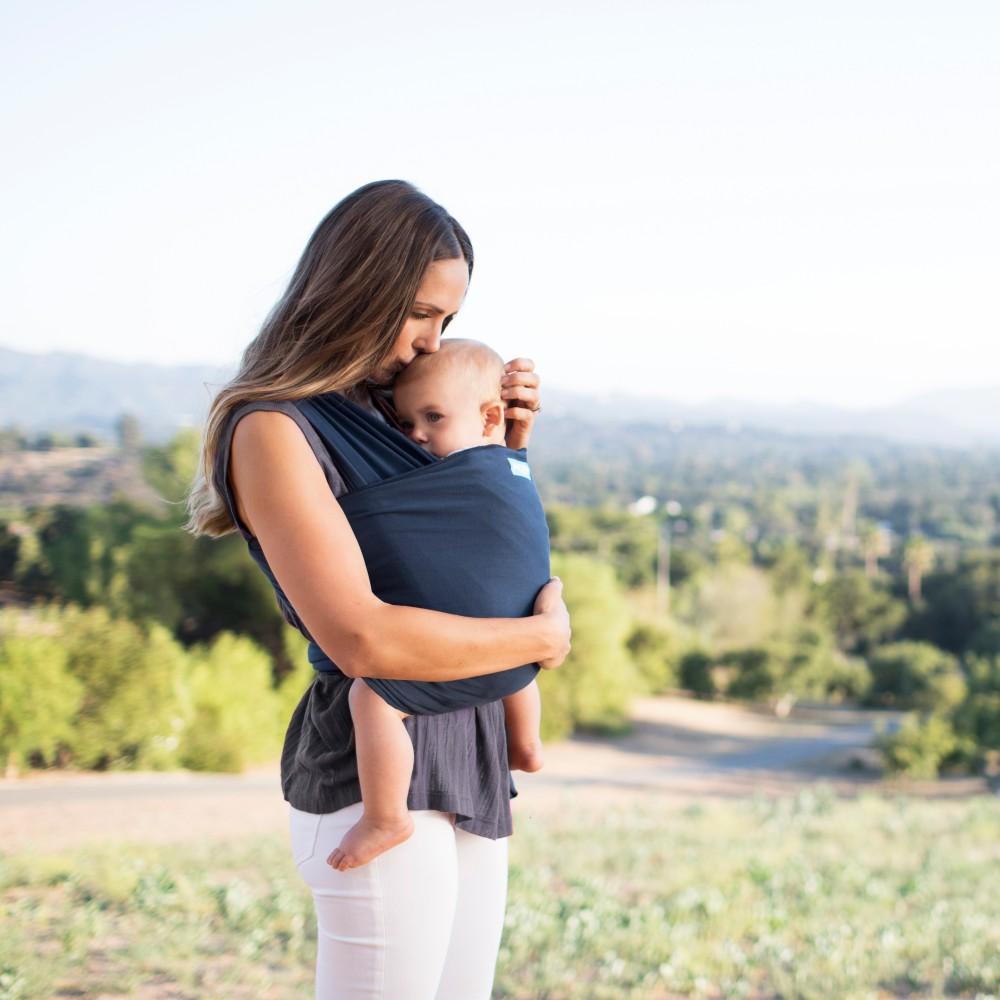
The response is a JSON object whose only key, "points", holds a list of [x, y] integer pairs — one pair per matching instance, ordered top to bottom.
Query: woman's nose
{"points": [[429, 343]]}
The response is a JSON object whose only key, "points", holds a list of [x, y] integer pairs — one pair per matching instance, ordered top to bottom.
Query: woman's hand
{"points": [[521, 399], [550, 602]]}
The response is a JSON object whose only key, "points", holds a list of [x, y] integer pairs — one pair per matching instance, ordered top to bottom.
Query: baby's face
{"points": [[440, 415]]}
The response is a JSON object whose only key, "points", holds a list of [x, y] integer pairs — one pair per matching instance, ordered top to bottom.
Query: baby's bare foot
{"points": [[525, 758], [368, 839]]}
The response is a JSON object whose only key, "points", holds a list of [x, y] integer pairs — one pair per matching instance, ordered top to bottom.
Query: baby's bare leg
{"points": [[524, 715], [385, 766]]}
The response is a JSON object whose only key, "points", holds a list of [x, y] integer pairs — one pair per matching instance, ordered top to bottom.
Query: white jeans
{"points": [[421, 921]]}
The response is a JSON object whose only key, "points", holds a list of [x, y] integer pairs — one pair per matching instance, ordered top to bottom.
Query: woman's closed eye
{"points": [[444, 322]]}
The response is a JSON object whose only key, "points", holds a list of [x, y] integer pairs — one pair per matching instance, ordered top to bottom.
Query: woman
{"points": [[382, 276]]}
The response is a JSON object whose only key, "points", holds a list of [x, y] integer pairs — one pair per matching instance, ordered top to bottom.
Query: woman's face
{"points": [[441, 292]]}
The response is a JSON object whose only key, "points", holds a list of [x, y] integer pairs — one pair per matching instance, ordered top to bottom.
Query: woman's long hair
{"points": [[339, 319]]}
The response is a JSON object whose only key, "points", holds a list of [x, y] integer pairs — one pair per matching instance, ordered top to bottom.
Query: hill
{"points": [[68, 392]]}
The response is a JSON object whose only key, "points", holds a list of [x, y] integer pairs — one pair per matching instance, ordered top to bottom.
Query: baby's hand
{"points": [[522, 400]]}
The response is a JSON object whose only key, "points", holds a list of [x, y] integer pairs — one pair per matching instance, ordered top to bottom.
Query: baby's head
{"points": [[451, 399]]}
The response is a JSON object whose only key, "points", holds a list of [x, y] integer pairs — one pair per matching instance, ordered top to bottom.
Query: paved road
{"points": [[679, 749]]}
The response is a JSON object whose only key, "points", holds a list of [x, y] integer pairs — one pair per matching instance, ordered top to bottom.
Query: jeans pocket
{"points": [[303, 828]]}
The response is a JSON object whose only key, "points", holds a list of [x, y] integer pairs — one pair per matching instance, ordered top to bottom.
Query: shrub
{"points": [[735, 606], [860, 612], [652, 653], [816, 668], [756, 672], [696, 673], [915, 675], [594, 686], [38, 695], [134, 704], [236, 711], [977, 719], [919, 746]]}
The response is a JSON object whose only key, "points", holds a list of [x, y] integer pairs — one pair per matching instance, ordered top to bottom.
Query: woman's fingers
{"points": [[520, 364], [521, 377], [520, 384], [521, 394], [521, 398], [519, 413], [548, 595], [549, 601]]}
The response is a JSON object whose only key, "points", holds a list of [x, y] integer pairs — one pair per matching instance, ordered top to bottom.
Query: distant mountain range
{"points": [[61, 391], [67, 392], [948, 417]]}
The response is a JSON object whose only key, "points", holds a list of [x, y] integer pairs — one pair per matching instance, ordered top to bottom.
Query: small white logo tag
{"points": [[519, 468]]}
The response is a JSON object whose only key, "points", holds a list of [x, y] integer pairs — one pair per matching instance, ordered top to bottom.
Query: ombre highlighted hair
{"points": [[338, 320]]}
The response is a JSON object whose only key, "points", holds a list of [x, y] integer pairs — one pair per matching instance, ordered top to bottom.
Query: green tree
{"points": [[170, 468], [874, 546], [918, 558], [789, 568], [199, 587], [959, 603], [734, 606], [860, 613], [654, 655], [696, 673], [751, 673], [915, 675], [595, 684], [38, 695], [134, 704], [237, 718], [977, 718], [920, 746]]}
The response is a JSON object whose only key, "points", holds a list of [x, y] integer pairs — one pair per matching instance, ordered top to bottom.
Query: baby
{"points": [[447, 401]]}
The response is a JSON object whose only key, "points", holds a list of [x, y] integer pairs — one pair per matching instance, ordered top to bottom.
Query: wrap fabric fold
{"points": [[465, 534]]}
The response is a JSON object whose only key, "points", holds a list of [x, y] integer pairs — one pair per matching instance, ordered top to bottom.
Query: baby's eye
{"points": [[433, 418], [406, 425]]}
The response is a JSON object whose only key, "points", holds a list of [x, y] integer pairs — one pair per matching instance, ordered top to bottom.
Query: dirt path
{"points": [[680, 749]]}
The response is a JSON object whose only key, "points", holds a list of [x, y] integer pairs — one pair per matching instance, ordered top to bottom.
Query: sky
{"points": [[774, 201]]}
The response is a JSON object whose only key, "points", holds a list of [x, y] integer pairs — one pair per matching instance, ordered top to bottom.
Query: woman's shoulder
{"points": [[290, 408], [223, 454]]}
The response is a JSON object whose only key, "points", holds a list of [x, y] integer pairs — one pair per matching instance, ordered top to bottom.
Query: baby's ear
{"points": [[492, 416]]}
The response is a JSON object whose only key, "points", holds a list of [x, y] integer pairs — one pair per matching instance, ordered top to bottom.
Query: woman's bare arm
{"points": [[285, 500]]}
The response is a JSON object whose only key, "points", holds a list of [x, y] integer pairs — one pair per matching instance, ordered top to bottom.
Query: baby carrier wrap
{"points": [[465, 534]]}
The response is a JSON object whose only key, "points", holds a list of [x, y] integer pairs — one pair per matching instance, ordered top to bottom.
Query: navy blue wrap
{"points": [[465, 534]]}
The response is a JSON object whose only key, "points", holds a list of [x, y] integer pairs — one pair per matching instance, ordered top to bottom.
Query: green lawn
{"points": [[805, 897]]}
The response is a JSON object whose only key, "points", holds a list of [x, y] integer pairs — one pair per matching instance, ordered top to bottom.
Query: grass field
{"points": [[808, 896]]}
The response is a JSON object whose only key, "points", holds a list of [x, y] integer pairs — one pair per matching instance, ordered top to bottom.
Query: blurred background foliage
{"points": [[779, 575]]}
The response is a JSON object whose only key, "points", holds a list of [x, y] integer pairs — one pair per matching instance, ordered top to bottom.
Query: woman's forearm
{"points": [[404, 643]]}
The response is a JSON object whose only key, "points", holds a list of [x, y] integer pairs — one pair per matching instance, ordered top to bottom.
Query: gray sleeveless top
{"points": [[460, 757]]}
